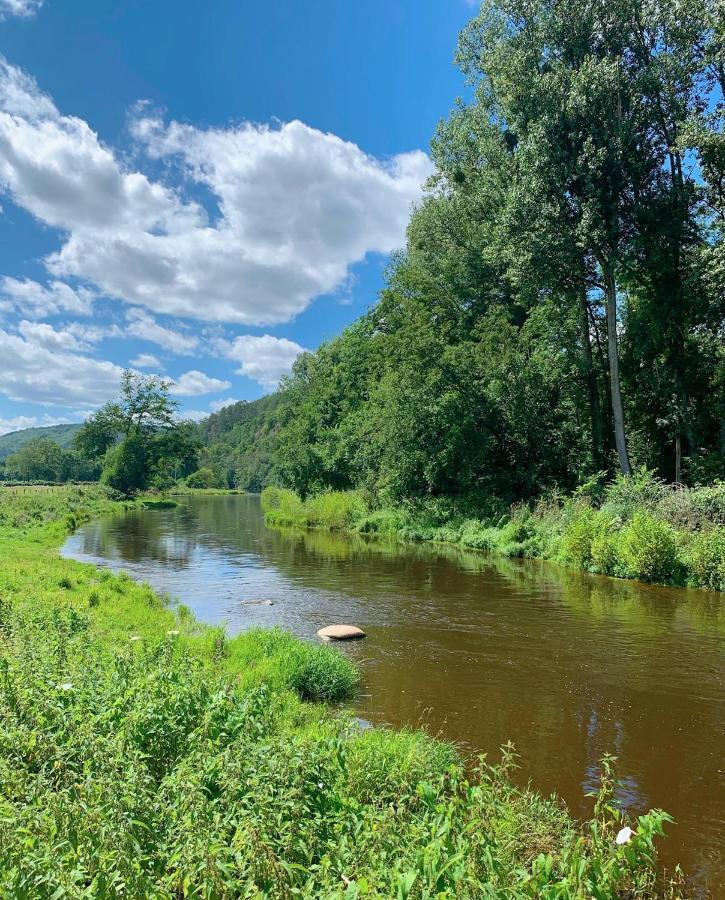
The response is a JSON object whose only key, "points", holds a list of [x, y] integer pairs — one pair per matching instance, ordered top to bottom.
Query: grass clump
{"points": [[333, 510]]}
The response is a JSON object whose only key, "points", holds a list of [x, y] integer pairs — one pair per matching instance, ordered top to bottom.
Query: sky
{"points": [[202, 190]]}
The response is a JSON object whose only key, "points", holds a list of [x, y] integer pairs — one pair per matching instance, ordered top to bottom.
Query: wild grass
{"points": [[637, 527], [145, 755]]}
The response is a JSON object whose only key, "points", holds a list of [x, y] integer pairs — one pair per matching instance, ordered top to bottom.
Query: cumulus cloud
{"points": [[22, 8], [294, 208], [35, 300], [141, 325], [73, 336], [265, 358], [146, 361], [34, 373], [195, 383]]}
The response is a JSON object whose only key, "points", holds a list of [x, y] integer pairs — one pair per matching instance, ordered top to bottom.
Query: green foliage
{"points": [[63, 435], [239, 442], [126, 466], [203, 478], [334, 510], [647, 550], [704, 555]]}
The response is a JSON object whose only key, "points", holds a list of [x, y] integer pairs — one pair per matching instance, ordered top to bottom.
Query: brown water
{"points": [[566, 665]]}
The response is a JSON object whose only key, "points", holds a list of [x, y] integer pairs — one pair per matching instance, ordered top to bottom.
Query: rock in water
{"points": [[341, 633]]}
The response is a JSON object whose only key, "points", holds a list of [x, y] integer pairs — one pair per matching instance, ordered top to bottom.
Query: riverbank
{"points": [[637, 528], [145, 753]]}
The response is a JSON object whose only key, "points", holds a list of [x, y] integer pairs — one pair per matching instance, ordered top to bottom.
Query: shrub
{"points": [[203, 478], [627, 495], [282, 507], [336, 510], [382, 521], [576, 545], [604, 545], [647, 550], [704, 556]]}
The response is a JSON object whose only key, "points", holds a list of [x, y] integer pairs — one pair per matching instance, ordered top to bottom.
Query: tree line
{"points": [[559, 306]]}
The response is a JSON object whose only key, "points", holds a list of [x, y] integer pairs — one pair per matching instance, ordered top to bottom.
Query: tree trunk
{"points": [[595, 410], [620, 438], [678, 458]]}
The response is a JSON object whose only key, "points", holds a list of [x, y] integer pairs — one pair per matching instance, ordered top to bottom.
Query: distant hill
{"points": [[14, 440], [239, 442]]}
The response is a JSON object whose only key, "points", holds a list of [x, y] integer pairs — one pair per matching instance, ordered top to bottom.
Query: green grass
{"points": [[637, 528], [143, 754]]}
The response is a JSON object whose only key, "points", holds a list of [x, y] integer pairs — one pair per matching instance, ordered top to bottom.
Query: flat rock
{"points": [[258, 602], [341, 633]]}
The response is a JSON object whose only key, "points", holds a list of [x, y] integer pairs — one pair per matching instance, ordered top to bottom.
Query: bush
{"points": [[203, 478], [282, 507], [336, 510], [382, 521], [576, 545], [604, 545], [647, 550], [704, 556]]}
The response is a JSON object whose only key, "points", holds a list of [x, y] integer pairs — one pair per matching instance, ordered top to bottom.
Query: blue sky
{"points": [[201, 190]]}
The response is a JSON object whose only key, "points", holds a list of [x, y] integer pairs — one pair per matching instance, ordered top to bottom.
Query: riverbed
{"points": [[481, 650]]}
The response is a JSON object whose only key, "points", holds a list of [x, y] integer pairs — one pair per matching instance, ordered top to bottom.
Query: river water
{"points": [[481, 650]]}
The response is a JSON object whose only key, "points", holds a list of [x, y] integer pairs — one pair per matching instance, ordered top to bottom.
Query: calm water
{"points": [[567, 666]]}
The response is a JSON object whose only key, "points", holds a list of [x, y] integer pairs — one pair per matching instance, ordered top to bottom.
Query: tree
{"points": [[138, 438], [38, 460], [126, 467]]}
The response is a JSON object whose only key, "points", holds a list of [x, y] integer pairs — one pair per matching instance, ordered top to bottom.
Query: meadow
{"points": [[143, 754]]}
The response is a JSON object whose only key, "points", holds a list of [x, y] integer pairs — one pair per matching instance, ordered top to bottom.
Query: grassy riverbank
{"points": [[635, 527], [143, 754]]}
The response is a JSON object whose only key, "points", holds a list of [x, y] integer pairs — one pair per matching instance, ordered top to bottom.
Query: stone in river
{"points": [[258, 602], [340, 633]]}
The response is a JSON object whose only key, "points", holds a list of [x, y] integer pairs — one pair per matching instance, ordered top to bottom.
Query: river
{"points": [[477, 649]]}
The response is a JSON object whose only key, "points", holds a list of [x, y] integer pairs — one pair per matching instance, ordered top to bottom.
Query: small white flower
{"points": [[173, 633], [135, 637], [65, 686], [320, 785], [624, 836]]}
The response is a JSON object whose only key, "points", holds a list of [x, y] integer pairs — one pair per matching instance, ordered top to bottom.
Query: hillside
{"points": [[62, 434], [239, 442]]}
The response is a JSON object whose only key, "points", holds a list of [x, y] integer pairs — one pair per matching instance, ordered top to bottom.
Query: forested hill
{"points": [[62, 434], [239, 443]]}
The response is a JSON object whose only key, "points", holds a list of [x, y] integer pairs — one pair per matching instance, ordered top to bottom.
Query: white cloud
{"points": [[21, 8], [295, 208], [35, 300], [141, 325], [73, 336], [265, 359], [146, 361], [35, 374], [195, 383], [216, 405], [17, 423]]}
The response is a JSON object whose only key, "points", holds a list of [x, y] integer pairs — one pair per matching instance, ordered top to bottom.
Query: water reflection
{"points": [[483, 650]]}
